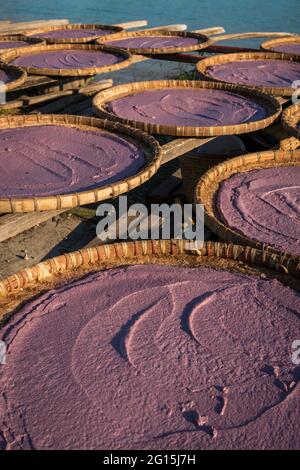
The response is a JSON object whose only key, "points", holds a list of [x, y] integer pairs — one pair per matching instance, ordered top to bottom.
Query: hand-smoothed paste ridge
{"points": [[152, 42], [68, 59], [267, 73], [182, 107], [49, 160], [264, 205], [153, 357]]}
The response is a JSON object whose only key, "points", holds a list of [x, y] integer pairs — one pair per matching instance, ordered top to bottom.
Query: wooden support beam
{"points": [[132, 24], [30, 25], [170, 27], [210, 31], [86, 90], [179, 147], [13, 224]]}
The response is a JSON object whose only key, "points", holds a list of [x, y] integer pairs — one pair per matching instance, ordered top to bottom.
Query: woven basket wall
{"points": [[68, 27], [203, 41], [272, 44], [12, 54], [204, 64], [270, 103], [291, 121], [151, 149], [194, 164], [208, 186], [22, 286]]}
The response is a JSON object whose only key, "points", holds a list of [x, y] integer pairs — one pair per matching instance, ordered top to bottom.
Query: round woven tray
{"points": [[50, 29], [250, 35], [20, 37], [204, 41], [271, 45], [12, 54], [227, 58], [19, 75], [270, 103], [291, 120], [148, 144], [208, 186], [20, 287]]}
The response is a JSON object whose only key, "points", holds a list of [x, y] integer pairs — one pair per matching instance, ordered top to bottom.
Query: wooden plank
{"points": [[132, 24], [30, 25], [171, 27], [210, 31], [41, 85], [95, 86], [87, 90], [59, 105], [179, 147], [13, 224]]}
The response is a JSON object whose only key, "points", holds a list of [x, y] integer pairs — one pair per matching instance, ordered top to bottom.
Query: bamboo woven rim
{"points": [[250, 35], [20, 37], [86, 39], [203, 41], [271, 45], [14, 53], [240, 56], [19, 73], [269, 102], [290, 118], [152, 152], [208, 186], [54, 272]]}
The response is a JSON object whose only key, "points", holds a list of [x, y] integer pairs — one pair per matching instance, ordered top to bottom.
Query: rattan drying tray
{"points": [[250, 35], [20, 37], [50, 40], [203, 41], [273, 43], [13, 54], [203, 65], [271, 104], [148, 144], [208, 186], [54, 272]]}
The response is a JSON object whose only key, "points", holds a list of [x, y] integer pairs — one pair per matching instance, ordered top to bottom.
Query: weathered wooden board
{"points": [[29, 25], [13, 224]]}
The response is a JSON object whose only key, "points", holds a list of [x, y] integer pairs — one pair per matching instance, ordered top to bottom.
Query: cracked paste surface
{"points": [[74, 33], [147, 42], [13, 44], [289, 47], [68, 59], [271, 73], [181, 107], [47, 160], [264, 205], [153, 357]]}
